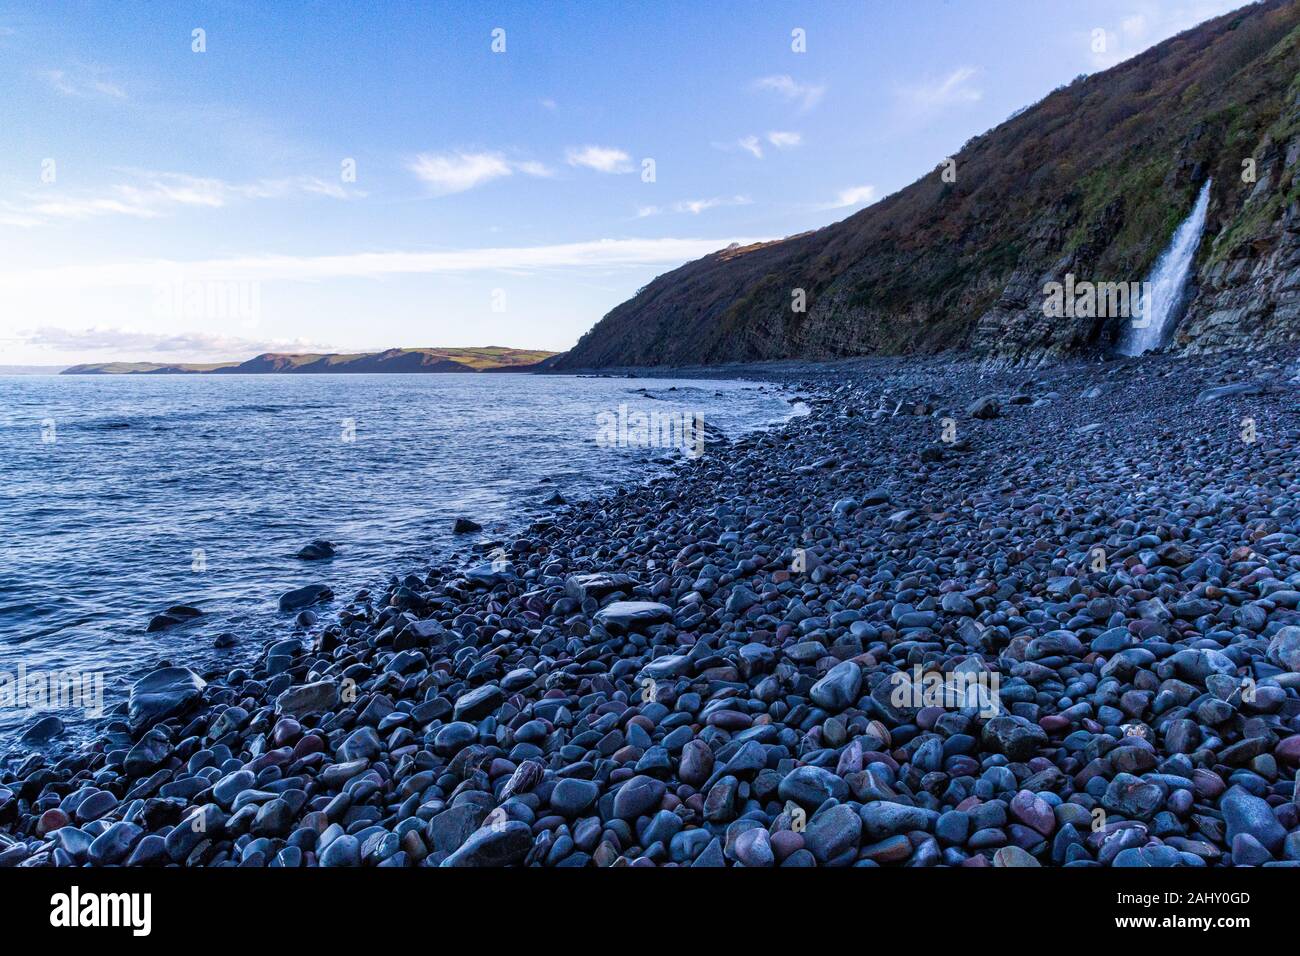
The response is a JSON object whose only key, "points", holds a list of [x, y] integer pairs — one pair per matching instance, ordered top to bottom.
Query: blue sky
{"points": [[159, 203]]}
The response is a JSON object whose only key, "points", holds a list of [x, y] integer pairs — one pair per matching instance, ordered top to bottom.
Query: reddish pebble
{"points": [[1053, 723], [1289, 749], [52, 820], [785, 842]]}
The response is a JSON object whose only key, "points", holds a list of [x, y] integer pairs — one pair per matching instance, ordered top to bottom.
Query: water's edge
{"points": [[458, 554]]}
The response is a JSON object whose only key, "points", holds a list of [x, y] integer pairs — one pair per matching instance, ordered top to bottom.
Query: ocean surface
{"points": [[121, 496]]}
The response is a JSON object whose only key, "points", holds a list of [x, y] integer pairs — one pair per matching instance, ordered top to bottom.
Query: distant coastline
{"points": [[490, 358]]}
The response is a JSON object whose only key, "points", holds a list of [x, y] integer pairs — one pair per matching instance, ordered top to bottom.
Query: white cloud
{"points": [[1150, 23], [59, 80], [82, 81], [946, 91], [807, 95], [548, 103], [754, 144], [603, 159], [532, 168], [457, 172], [150, 195], [853, 196], [693, 206], [697, 206], [19, 220], [601, 253], [193, 345]]}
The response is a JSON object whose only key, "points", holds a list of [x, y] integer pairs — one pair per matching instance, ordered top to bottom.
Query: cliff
{"points": [[1092, 180]]}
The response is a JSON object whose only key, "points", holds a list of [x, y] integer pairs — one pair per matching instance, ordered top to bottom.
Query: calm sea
{"points": [[123, 495]]}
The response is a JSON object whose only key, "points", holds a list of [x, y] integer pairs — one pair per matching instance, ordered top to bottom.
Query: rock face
{"points": [[963, 257], [1249, 286]]}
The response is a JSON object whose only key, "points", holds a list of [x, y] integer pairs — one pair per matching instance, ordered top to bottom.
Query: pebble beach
{"points": [[954, 616]]}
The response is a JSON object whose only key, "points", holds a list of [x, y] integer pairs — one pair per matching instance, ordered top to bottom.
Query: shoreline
{"points": [[256, 621], [500, 715]]}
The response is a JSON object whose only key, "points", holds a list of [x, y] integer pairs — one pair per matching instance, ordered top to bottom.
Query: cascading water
{"points": [[1165, 292]]}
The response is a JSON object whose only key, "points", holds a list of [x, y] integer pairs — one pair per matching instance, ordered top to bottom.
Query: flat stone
{"points": [[304, 596], [632, 615], [164, 693], [307, 699]]}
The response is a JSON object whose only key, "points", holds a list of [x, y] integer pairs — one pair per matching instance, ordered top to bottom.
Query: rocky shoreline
{"points": [[954, 616]]}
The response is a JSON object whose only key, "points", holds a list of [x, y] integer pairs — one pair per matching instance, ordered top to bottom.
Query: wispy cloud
{"points": [[83, 81], [953, 89], [807, 95], [751, 144], [754, 144], [603, 159], [533, 168], [457, 172], [150, 195], [853, 196], [693, 206], [600, 253], [192, 345]]}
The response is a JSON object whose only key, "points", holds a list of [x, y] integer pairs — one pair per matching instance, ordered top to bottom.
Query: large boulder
{"points": [[318, 550], [597, 584], [305, 596], [176, 614], [632, 615], [1284, 648], [840, 687], [163, 693], [308, 699], [479, 702], [43, 730], [1018, 738], [1244, 813], [496, 844]]}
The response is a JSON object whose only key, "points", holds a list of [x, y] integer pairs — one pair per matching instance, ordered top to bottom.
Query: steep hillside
{"points": [[1092, 180], [492, 358]]}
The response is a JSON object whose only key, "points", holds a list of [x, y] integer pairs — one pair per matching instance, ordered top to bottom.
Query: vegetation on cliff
{"points": [[1093, 179]]}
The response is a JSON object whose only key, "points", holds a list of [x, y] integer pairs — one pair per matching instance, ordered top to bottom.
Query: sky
{"points": [[189, 181]]}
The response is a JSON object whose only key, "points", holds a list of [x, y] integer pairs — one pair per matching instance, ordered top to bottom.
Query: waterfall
{"points": [[1164, 293]]}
